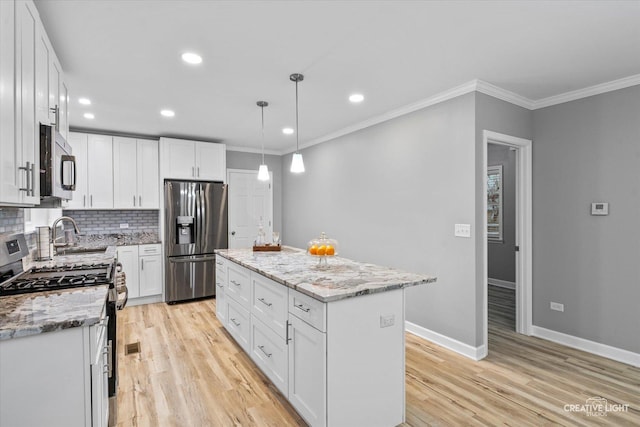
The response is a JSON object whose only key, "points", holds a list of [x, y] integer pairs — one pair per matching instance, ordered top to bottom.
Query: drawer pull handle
{"points": [[235, 283], [220, 285], [268, 304], [302, 307], [234, 321], [261, 347]]}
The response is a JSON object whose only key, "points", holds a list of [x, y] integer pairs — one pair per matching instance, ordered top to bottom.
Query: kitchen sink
{"points": [[80, 250]]}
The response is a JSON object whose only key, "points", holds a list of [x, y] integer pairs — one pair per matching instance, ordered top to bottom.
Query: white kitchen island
{"points": [[330, 339]]}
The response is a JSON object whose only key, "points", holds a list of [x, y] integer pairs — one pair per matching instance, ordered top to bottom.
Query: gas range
{"points": [[58, 278]]}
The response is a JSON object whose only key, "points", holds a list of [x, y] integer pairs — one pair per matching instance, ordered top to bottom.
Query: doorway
{"points": [[250, 206], [520, 251]]}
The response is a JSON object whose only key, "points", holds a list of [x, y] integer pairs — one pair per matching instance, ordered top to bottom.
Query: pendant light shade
{"points": [[297, 165], [263, 171]]}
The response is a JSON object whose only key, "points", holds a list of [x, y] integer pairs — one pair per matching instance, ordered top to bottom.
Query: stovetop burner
{"points": [[57, 278]]}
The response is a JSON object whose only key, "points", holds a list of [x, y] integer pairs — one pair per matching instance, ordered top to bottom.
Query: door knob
{"points": [[233, 233]]}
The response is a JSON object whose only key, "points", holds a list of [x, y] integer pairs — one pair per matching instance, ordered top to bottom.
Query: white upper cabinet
{"points": [[28, 69], [184, 159], [100, 171], [135, 174]]}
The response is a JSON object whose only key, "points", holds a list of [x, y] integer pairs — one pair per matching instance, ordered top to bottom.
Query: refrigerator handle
{"points": [[201, 213]]}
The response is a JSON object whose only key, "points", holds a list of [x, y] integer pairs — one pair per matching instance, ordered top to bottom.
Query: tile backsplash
{"points": [[11, 220], [108, 221]]}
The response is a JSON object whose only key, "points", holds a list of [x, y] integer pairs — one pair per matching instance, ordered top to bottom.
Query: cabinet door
{"points": [[43, 55], [55, 80], [63, 114], [27, 134], [78, 142], [177, 158], [210, 161], [100, 171], [9, 173], [148, 177], [125, 192], [128, 257], [150, 275], [307, 371]]}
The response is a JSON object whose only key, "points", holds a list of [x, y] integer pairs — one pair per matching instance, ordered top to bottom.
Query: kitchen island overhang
{"points": [[330, 338]]}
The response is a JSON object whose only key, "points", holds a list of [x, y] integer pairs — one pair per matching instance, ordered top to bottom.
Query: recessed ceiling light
{"points": [[191, 58], [356, 97], [84, 101], [168, 113], [89, 116], [287, 131]]}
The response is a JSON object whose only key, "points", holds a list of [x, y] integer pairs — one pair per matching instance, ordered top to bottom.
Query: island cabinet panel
{"points": [[221, 285], [239, 285], [269, 304], [310, 310], [238, 324], [269, 351], [365, 364], [308, 371]]}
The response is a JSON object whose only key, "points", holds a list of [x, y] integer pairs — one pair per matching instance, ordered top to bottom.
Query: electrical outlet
{"points": [[125, 225], [462, 230], [556, 306], [387, 320]]}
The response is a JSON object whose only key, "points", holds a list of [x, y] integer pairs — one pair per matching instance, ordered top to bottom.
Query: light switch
{"points": [[462, 230]]}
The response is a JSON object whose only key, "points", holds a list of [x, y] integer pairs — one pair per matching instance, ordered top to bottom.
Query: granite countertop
{"points": [[93, 241], [106, 257], [342, 278], [39, 312]]}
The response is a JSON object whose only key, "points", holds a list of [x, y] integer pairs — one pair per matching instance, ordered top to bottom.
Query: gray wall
{"points": [[588, 151], [251, 161], [391, 195], [11, 220], [501, 254]]}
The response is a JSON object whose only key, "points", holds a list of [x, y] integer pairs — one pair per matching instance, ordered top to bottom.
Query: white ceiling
{"points": [[125, 57]]}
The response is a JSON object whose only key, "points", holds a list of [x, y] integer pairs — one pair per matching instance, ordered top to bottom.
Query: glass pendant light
{"points": [[297, 165], [263, 171]]}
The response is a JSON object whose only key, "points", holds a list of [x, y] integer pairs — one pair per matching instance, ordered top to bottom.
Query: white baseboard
{"points": [[501, 283], [143, 300], [603, 350], [475, 353]]}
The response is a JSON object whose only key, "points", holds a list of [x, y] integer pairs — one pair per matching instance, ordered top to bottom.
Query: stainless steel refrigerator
{"points": [[195, 225]]}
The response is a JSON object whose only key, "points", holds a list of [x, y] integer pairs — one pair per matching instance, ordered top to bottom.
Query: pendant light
{"points": [[297, 165], [263, 172]]}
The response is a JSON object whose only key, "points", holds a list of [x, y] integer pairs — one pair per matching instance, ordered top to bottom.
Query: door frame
{"points": [[253, 172], [524, 258]]}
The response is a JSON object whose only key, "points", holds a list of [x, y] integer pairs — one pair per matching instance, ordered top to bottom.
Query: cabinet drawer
{"points": [[153, 249], [221, 265], [238, 285], [270, 303], [221, 305], [310, 310], [238, 324], [270, 352]]}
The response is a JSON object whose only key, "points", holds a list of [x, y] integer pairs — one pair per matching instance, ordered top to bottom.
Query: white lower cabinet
{"points": [[142, 265], [221, 282], [238, 324], [269, 351], [308, 371], [65, 372]]}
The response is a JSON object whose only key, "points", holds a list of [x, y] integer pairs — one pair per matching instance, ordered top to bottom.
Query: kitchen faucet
{"points": [[54, 226]]}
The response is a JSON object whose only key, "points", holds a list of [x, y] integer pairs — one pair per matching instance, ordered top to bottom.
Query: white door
{"points": [[78, 142], [100, 170], [148, 177], [125, 190], [250, 204]]}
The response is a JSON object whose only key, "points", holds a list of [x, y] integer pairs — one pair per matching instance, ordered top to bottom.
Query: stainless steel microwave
{"points": [[57, 167]]}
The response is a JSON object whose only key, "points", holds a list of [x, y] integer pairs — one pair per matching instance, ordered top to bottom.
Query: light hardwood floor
{"points": [[190, 373]]}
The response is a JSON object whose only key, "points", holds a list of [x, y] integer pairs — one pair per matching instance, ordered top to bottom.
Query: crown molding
{"points": [[588, 91], [503, 94], [255, 150]]}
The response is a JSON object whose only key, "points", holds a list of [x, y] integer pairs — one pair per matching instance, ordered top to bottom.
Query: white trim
{"points": [[587, 91], [503, 94], [253, 150], [524, 235], [501, 283], [145, 300], [604, 350], [475, 353]]}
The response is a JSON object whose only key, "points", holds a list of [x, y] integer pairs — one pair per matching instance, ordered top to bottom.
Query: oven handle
{"points": [[121, 285]]}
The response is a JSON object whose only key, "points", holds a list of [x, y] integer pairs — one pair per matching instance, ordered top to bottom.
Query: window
{"points": [[494, 203]]}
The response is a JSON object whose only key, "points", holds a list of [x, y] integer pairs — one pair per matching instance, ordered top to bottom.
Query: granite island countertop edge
{"points": [[312, 290]]}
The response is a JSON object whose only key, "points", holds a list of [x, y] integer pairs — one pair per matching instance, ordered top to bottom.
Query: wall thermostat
{"points": [[599, 208]]}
